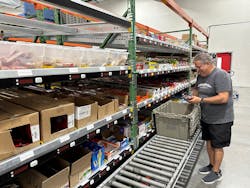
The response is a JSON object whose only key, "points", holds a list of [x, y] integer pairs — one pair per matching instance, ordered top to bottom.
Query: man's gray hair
{"points": [[203, 58]]}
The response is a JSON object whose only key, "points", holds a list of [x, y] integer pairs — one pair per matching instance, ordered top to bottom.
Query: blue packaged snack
{"points": [[98, 155]]}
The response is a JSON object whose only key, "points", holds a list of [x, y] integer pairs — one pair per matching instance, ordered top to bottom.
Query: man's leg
{"points": [[210, 152], [218, 157], [215, 175]]}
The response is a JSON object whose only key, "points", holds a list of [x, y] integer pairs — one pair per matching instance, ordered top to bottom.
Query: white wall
{"points": [[233, 38]]}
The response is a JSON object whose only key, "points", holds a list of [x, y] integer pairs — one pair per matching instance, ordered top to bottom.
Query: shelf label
{"points": [[102, 68], [122, 68], [73, 70], [25, 72], [110, 73], [83, 76], [38, 80], [124, 111], [109, 118], [115, 122], [89, 127], [98, 131], [64, 138], [72, 144], [26, 155], [33, 163], [108, 168], [92, 182]]}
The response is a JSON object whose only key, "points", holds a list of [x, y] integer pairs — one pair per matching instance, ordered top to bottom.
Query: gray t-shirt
{"points": [[217, 81]]}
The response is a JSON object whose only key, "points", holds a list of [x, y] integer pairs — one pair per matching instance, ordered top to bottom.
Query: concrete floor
{"points": [[236, 164]]}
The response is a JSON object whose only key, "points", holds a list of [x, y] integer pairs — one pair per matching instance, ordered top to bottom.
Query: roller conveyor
{"points": [[161, 163]]}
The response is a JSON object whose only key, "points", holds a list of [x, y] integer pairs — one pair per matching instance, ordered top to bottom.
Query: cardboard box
{"points": [[185, 37], [121, 96], [106, 107], [85, 111], [56, 116], [19, 129], [79, 161], [54, 174]]}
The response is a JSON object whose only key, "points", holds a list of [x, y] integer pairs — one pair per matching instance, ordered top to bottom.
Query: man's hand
{"points": [[194, 100]]}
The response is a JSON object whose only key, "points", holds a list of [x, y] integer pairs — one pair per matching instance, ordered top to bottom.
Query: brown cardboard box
{"points": [[185, 37], [114, 98], [106, 106], [85, 111], [51, 112], [13, 120], [79, 160], [54, 174]]}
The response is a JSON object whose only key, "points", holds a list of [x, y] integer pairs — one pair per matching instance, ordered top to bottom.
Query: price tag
{"points": [[73, 70], [24, 72], [110, 73], [109, 118], [115, 122], [89, 127], [64, 138], [72, 144], [26, 155], [33, 163]]}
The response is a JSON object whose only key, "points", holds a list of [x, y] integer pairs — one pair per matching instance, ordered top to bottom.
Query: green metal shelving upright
{"points": [[133, 81]]}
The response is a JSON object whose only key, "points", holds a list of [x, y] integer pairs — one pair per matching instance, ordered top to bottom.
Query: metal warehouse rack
{"points": [[21, 27], [127, 38]]}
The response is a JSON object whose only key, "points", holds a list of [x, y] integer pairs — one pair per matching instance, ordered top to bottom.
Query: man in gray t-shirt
{"points": [[213, 91]]}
